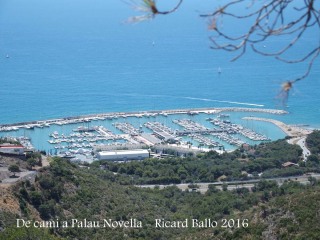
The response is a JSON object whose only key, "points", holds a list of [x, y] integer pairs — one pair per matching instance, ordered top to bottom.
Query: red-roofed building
{"points": [[12, 149]]}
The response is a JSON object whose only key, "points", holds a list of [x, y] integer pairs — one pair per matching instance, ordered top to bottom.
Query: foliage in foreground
{"points": [[65, 191], [14, 233]]}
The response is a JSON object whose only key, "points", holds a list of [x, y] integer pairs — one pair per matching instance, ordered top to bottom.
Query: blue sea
{"points": [[74, 57]]}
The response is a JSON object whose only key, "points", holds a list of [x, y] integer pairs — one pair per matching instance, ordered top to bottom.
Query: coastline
{"points": [[110, 115], [113, 129], [289, 130]]}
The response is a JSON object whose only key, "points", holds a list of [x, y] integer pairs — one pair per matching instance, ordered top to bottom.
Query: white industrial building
{"points": [[123, 155]]}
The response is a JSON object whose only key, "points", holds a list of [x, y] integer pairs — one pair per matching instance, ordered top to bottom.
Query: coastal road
{"points": [[298, 134], [301, 141], [305, 151], [203, 187]]}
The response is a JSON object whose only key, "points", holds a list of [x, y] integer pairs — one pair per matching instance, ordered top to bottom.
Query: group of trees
{"points": [[313, 142], [266, 158], [32, 159], [14, 168], [64, 191]]}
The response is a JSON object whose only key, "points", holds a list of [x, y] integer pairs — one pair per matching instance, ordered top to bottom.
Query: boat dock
{"points": [[115, 115], [190, 125], [183, 126], [127, 128], [231, 128], [196, 130], [161, 131], [107, 133], [88, 137], [83, 139], [205, 140]]}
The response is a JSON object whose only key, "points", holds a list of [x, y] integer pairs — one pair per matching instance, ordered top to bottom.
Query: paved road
{"points": [[302, 143], [203, 187]]}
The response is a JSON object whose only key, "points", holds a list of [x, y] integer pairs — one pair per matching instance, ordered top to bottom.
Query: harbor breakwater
{"points": [[112, 115]]}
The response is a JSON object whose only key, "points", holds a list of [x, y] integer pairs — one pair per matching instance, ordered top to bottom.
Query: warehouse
{"points": [[123, 155]]}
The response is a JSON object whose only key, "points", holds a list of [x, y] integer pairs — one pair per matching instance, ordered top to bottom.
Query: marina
{"points": [[111, 116], [228, 127], [127, 128], [210, 128], [161, 131]]}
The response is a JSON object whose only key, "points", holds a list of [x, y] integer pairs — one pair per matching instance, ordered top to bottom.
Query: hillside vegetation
{"points": [[242, 164], [66, 191]]}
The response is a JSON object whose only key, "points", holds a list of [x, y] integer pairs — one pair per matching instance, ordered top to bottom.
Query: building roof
{"points": [[11, 146], [120, 152]]}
